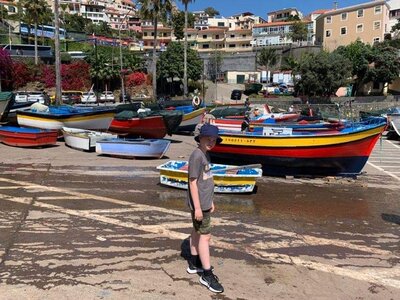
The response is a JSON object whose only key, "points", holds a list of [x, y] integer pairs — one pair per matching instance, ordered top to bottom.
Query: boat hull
{"points": [[87, 119], [191, 119], [395, 122], [152, 127], [27, 137], [83, 139], [149, 148], [321, 155], [237, 182]]}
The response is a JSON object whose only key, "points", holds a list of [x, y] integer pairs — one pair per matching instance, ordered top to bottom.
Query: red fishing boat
{"points": [[150, 127], [27, 137]]}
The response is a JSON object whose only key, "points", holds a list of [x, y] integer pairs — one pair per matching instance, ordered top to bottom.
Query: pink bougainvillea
{"points": [[5, 68], [21, 74], [48, 76], [75, 76], [135, 79]]}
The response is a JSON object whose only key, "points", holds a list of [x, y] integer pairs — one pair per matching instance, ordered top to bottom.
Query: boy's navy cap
{"points": [[208, 130]]}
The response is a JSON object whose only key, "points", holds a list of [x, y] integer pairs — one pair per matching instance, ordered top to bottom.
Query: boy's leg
{"points": [[194, 243], [204, 250]]}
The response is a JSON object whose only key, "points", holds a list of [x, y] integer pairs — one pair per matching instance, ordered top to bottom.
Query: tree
{"points": [[155, 10], [211, 12], [3, 13], [33, 14], [74, 22], [178, 24], [299, 31], [360, 56], [267, 58], [290, 63], [386, 64], [171, 65], [214, 65], [321, 74], [185, 82]]}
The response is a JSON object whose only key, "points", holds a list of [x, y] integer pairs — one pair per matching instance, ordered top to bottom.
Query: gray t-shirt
{"points": [[199, 168]]}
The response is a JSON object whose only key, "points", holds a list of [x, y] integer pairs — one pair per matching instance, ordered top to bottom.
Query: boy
{"points": [[200, 201]]}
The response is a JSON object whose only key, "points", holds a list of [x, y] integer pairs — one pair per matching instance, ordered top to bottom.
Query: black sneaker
{"points": [[192, 269], [212, 282]]}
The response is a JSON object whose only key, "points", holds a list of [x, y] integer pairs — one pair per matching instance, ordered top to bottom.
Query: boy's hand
{"points": [[212, 207], [198, 214]]}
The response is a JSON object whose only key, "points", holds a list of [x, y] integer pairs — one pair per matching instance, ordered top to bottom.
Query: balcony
{"points": [[239, 39]]}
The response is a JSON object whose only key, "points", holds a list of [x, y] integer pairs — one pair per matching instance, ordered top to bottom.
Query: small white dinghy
{"points": [[83, 139], [227, 178]]}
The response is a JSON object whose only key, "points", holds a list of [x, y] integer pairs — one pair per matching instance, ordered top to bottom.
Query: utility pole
{"points": [[57, 53], [120, 56]]}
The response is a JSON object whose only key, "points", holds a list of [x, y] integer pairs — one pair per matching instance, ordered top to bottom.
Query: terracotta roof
{"points": [[320, 11], [270, 24]]}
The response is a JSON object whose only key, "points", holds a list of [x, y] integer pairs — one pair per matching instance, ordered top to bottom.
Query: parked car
{"points": [[236, 95], [30, 96], [21, 97], [72, 97], [89, 97], [107, 97]]}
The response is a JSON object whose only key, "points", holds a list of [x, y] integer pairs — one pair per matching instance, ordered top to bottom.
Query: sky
{"points": [[261, 7]]}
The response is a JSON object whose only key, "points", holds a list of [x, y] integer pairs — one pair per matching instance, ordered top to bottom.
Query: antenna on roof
{"points": [[335, 5]]}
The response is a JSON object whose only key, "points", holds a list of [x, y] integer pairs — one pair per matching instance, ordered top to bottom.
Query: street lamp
{"points": [[120, 54]]}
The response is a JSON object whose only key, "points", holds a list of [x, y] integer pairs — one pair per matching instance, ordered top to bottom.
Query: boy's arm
{"points": [[194, 192]]}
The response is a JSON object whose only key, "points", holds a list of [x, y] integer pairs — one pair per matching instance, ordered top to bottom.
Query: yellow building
{"points": [[367, 22], [164, 36]]}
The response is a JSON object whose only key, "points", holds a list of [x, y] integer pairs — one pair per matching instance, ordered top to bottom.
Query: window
{"points": [[378, 9], [360, 13], [344, 16], [328, 19], [221, 24], [377, 25], [360, 28], [343, 30], [328, 33], [204, 36], [232, 36], [217, 37], [376, 40], [206, 46], [232, 46], [376, 85]]}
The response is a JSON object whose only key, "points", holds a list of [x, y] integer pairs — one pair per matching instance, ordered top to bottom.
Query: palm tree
{"points": [[155, 10], [33, 14], [267, 58], [185, 81]]}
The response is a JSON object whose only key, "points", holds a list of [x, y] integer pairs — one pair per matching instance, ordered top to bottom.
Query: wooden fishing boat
{"points": [[5, 98], [56, 117], [191, 119], [146, 122], [152, 127], [27, 137], [82, 139], [150, 148], [284, 152], [227, 178]]}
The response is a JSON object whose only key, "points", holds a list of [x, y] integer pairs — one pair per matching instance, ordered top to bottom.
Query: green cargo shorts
{"points": [[203, 226]]}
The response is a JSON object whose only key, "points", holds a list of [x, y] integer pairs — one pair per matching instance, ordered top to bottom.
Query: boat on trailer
{"points": [[27, 137], [83, 139], [131, 148], [227, 178]]}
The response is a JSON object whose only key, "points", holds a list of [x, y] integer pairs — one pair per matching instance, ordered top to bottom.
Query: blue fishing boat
{"points": [[57, 117], [151, 148], [227, 178]]}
